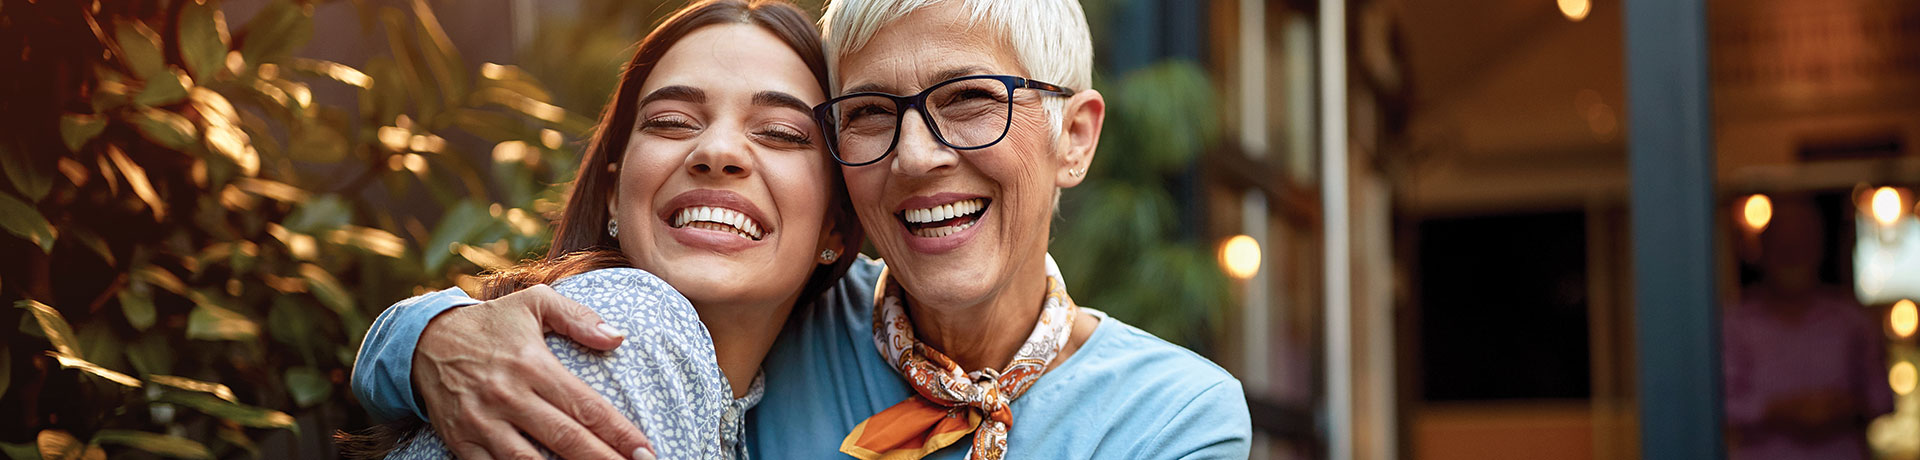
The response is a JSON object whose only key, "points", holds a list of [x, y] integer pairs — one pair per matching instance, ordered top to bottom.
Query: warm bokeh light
{"points": [[1575, 10], [1886, 205], [1757, 212], [1240, 256], [1904, 318], [1902, 378]]}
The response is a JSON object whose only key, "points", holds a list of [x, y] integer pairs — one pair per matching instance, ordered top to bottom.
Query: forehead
{"points": [[926, 46], [730, 58]]}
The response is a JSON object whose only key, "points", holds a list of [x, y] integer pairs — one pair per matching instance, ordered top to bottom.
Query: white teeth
{"points": [[944, 212], [727, 219], [941, 232]]}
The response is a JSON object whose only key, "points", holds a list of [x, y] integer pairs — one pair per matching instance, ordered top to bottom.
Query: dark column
{"points": [[1671, 161]]}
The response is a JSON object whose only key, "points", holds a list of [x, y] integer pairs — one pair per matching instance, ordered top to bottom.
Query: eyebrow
{"points": [[937, 77], [675, 93], [779, 99]]}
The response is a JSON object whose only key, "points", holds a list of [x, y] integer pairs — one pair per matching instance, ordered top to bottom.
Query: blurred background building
{"points": [[1416, 229]]}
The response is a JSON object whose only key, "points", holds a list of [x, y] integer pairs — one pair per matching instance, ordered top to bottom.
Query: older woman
{"points": [[959, 123]]}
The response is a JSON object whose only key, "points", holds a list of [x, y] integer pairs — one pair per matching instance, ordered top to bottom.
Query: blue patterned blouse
{"points": [[664, 377]]}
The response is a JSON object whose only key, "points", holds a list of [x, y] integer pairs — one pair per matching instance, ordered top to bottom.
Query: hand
{"points": [[486, 375]]}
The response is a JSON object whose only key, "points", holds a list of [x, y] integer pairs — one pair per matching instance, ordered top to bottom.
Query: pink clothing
{"points": [[1769, 356]]}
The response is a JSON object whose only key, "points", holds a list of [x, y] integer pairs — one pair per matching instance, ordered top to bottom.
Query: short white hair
{"points": [[1049, 37]]}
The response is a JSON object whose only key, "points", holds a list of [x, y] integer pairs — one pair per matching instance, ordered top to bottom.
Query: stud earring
{"points": [[1076, 172], [613, 227], [827, 256]]}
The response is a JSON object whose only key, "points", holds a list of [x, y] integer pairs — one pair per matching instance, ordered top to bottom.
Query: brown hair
{"points": [[580, 242]]}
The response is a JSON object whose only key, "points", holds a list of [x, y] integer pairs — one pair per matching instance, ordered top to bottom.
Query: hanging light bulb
{"points": [[1757, 212], [1240, 256]]}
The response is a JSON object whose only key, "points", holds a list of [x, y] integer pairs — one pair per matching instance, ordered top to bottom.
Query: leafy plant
{"points": [[181, 210], [1124, 244]]}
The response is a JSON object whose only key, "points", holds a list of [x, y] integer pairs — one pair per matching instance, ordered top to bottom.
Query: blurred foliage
{"points": [[1127, 241], [1123, 242], [197, 243]]}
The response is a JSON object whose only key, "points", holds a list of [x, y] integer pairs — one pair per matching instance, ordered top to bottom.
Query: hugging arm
{"points": [[484, 374]]}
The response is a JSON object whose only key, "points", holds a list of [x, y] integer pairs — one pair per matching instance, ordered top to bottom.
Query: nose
{"points": [[917, 153], [721, 156]]}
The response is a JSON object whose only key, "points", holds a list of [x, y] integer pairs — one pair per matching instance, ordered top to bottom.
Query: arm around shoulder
{"points": [[383, 371]]}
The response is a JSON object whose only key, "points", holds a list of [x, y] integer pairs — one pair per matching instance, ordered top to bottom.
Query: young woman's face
{"points": [[723, 188]]}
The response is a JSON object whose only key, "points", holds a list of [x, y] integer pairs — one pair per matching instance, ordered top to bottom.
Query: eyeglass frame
{"points": [[918, 102]]}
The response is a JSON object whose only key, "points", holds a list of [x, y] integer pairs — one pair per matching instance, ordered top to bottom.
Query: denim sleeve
{"points": [[383, 372]]}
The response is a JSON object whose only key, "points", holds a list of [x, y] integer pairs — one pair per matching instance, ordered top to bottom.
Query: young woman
{"points": [[707, 177]]}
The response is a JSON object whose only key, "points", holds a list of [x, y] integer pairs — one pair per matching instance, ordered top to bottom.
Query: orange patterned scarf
{"points": [[952, 402]]}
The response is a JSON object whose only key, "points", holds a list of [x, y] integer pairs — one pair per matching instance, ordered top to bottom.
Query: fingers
{"points": [[569, 318], [583, 408], [562, 434], [497, 440]]}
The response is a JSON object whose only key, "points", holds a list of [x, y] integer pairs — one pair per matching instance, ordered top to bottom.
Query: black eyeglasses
{"points": [[966, 113]]}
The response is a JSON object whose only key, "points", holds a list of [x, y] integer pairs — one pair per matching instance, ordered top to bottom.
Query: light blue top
{"points": [[1123, 394]]}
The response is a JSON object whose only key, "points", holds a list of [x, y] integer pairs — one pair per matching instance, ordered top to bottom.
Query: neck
{"points": [[985, 334], [742, 336]]}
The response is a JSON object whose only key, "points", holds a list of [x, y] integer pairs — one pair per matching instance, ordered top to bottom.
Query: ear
{"points": [[1080, 125], [613, 192], [831, 239]]}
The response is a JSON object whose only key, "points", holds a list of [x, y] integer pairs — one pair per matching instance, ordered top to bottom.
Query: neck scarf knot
{"points": [[950, 403]]}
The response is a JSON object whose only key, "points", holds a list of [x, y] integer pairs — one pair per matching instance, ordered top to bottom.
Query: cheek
{"points": [[642, 172]]}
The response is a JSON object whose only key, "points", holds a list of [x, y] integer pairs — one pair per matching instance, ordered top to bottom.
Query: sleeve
{"points": [[383, 371], [1213, 425]]}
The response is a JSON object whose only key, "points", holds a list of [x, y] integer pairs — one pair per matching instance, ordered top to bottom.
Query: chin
{"points": [[951, 284]]}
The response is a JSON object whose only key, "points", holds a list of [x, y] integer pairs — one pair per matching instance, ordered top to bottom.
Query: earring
{"points": [[1076, 172], [613, 227], [827, 256]]}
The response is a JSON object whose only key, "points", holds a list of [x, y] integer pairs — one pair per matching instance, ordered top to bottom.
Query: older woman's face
{"points": [[723, 189], [1003, 193]]}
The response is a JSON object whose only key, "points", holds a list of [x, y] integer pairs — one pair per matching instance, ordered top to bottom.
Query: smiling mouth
{"points": [[717, 219], [944, 220]]}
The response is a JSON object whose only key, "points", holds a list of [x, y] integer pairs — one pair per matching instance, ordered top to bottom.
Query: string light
{"points": [[1903, 318]]}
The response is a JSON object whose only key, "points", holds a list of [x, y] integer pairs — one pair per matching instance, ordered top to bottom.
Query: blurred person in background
{"points": [[1803, 361]]}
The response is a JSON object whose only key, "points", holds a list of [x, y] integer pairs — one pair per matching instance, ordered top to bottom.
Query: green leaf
{"points": [[276, 32], [203, 39], [140, 48], [164, 88], [165, 128], [76, 129], [316, 142], [27, 173], [322, 213], [21, 219], [466, 219], [327, 289], [136, 301], [212, 322], [54, 326], [151, 355], [6, 368], [96, 370], [308, 386], [215, 389], [242, 414], [155, 443], [21, 451]]}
